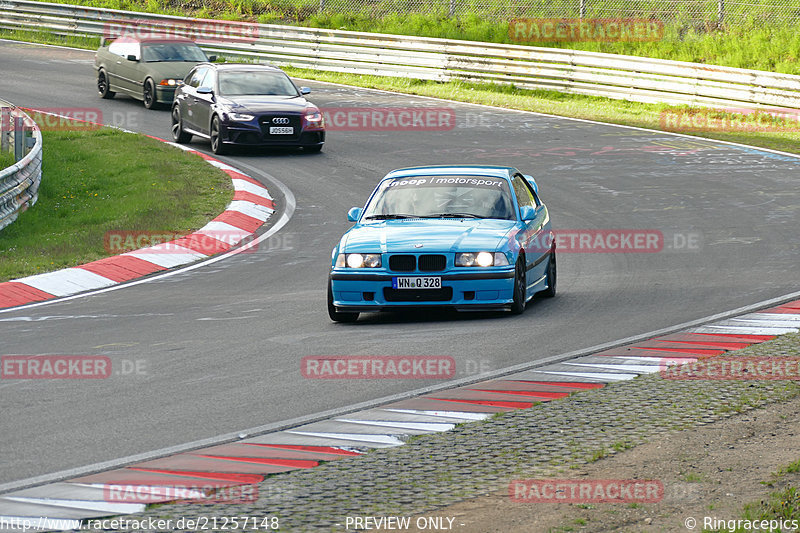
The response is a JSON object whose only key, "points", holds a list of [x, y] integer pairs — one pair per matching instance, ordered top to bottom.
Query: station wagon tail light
{"points": [[169, 82], [313, 119], [481, 259], [358, 260]]}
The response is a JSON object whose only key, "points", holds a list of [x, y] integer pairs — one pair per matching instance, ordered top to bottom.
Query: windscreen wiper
{"points": [[453, 215], [390, 216]]}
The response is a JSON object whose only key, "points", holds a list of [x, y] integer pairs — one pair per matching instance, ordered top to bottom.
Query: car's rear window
{"points": [[157, 52], [255, 82], [432, 196]]}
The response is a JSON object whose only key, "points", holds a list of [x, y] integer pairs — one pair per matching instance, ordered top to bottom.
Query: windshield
{"points": [[155, 52], [256, 82], [442, 197]]}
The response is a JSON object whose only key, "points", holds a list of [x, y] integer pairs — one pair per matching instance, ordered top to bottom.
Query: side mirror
{"points": [[132, 57], [211, 59], [205, 90], [305, 90], [531, 182], [527, 212], [354, 214]]}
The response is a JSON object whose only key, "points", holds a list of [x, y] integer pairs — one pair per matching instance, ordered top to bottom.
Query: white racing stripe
{"points": [[244, 185], [250, 209], [67, 281], [603, 376], [421, 426], [358, 437], [82, 504]]}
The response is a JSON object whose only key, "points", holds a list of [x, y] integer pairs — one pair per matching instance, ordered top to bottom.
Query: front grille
{"points": [[294, 122], [403, 263], [432, 263], [445, 294]]}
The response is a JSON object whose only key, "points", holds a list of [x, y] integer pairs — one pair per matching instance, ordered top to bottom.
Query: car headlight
{"points": [[169, 81], [240, 117], [313, 120], [481, 259], [358, 260]]}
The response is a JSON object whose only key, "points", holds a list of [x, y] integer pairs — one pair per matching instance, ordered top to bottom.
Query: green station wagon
{"points": [[148, 69]]}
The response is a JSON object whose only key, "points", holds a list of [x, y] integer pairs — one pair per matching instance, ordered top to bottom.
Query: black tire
{"points": [[102, 85], [149, 94], [178, 135], [217, 146], [312, 149], [552, 277], [520, 288], [338, 316]]}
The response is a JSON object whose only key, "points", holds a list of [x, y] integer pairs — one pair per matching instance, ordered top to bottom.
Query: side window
{"points": [[117, 48], [194, 78], [208, 79], [523, 192]]}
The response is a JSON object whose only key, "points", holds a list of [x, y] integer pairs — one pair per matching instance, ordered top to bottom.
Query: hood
{"points": [[160, 70], [265, 104], [435, 235]]}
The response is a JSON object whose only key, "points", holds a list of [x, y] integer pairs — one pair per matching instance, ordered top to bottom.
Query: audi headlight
{"points": [[240, 117], [313, 119], [481, 259], [358, 260]]}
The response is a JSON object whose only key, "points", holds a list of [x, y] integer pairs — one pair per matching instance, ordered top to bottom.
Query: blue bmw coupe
{"points": [[464, 237]]}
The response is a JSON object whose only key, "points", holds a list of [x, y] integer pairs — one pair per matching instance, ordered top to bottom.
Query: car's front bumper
{"points": [[165, 94], [253, 134], [361, 290]]}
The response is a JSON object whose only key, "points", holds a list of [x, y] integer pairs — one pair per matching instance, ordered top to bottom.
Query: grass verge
{"points": [[757, 41], [6, 159], [96, 181], [782, 504]]}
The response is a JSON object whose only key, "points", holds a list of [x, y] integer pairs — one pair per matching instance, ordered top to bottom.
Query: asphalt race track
{"points": [[221, 345]]}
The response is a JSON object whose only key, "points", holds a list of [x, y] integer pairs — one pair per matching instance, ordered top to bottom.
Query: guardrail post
{"points": [[321, 5], [452, 8], [582, 9], [721, 11], [4, 132], [19, 138]]}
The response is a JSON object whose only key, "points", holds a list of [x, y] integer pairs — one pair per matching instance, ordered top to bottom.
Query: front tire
{"points": [[103, 88], [149, 94], [178, 135], [217, 146], [552, 277], [520, 287], [338, 316]]}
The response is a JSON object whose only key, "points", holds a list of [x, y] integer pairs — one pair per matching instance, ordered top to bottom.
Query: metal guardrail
{"points": [[570, 71], [19, 183]]}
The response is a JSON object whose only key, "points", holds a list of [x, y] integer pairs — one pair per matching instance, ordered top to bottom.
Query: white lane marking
{"points": [[247, 186], [250, 209], [66, 281], [744, 330], [640, 369], [603, 376], [445, 414], [420, 426], [357, 437], [80, 504]]}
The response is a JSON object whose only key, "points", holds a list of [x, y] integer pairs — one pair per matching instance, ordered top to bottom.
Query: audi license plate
{"points": [[281, 130], [417, 282]]}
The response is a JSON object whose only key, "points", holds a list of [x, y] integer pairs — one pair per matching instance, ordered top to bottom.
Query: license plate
{"points": [[281, 130], [417, 282]]}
